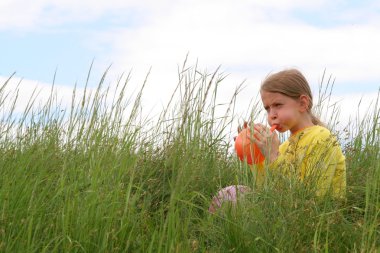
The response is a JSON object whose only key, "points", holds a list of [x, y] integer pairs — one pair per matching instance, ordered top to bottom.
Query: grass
{"points": [[99, 177]]}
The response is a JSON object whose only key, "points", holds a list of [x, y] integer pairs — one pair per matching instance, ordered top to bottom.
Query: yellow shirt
{"points": [[314, 154]]}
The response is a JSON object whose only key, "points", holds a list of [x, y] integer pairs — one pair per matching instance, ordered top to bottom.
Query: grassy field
{"points": [[99, 177]]}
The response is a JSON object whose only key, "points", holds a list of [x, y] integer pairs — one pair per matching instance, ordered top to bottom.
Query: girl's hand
{"points": [[245, 125], [267, 141]]}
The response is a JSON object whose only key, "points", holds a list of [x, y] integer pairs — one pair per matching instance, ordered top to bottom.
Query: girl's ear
{"points": [[304, 103]]}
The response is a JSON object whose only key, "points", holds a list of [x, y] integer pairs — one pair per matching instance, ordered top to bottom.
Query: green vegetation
{"points": [[98, 177]]}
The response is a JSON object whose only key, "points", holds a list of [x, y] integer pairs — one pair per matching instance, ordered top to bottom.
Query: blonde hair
{"points": [[293, 84]]}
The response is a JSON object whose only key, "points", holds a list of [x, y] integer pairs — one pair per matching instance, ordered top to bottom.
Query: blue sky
{"points": [[248, 39]]}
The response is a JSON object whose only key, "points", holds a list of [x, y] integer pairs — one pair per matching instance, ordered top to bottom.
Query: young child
{"points": [[311, 152]]}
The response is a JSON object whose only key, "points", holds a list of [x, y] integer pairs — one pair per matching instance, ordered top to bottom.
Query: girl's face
{"points": [[285, 112]]}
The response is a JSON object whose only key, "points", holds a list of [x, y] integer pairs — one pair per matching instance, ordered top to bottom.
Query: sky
{"points": [[42, 40]]}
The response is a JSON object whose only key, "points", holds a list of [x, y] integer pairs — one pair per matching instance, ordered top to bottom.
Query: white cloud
{"points": [[23, 15], [229, 35], [27, 90]]}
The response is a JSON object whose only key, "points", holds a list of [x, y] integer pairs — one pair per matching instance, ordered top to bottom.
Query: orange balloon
{"points": [[246, 150]]}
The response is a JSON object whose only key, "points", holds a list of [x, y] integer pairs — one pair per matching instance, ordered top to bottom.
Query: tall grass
{"points": [[97, 176]]}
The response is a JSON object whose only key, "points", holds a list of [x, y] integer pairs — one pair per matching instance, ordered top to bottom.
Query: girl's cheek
{"points": [[285, 116]]}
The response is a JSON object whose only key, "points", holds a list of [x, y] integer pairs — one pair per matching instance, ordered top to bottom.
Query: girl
{"points": [[311, 152]]}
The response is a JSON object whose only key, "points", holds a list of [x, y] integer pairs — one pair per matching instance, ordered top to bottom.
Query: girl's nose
{"points": [[273, 115]]}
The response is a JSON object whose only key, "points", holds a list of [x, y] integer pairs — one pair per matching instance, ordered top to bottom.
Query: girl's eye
{"points": [[276, 105]]}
